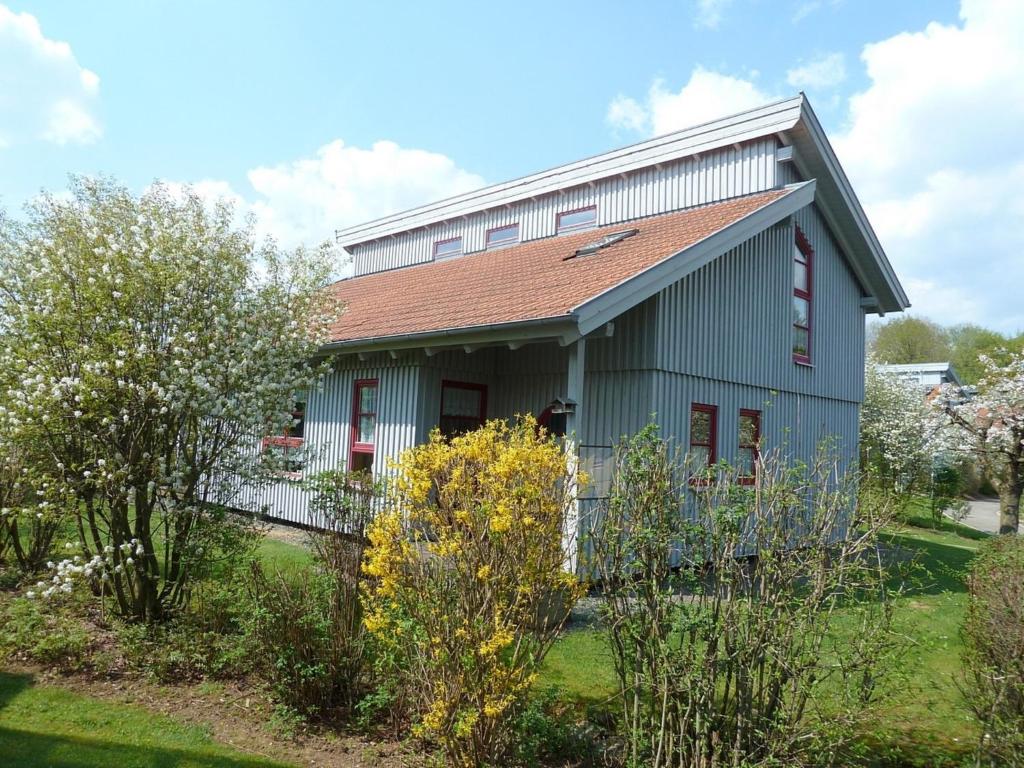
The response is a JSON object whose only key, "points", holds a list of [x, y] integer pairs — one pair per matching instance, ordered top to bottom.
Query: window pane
{"points": [[577, 219], [503, 235], [448, 247], [798, 255], [800, 276], [801, 311], [801, 341], [368, 399], [459, 401], [366, 425], [700, 427], [298, 428], [748, 430], [700, 455], [745, 460]]}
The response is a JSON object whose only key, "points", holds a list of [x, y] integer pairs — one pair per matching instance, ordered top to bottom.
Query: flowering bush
{"points": [[147, 345], [990, 428], [469, 585]]}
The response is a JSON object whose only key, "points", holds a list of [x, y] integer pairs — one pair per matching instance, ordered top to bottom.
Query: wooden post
{"points": [[573, 439]]}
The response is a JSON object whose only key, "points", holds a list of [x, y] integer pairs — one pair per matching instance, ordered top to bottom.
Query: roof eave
{"points": [[842, 210], [612, 302], [562, 328]]}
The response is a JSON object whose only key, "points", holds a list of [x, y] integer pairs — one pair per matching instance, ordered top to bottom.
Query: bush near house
{"points": [[469, 587], [724, 597], [993, 657]]}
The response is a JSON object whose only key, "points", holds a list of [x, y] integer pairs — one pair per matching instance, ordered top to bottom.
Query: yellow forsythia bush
{"points": [[467, 582]]}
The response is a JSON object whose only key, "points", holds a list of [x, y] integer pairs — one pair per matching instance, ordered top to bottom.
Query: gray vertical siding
{"points": [[739, 170], [721, 335], [329, 424]]}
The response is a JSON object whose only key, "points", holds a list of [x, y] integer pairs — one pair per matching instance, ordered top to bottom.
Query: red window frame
{"points": [[559, 229], [505, 240], [439, 243], [803, 247], [470, 385], [357, 388], [287, 442], [712, 446], [754, 447]]}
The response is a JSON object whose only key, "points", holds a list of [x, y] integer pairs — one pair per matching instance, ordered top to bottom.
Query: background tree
{"points": [[909, 340], [970, 342], [147, 344], [991, 427], [897, 435]]}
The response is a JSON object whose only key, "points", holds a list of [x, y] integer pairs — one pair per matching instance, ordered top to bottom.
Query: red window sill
{"points": [[282, 441]]}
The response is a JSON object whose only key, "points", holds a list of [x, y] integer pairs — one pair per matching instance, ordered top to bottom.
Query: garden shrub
{"points": [[469, 583], [749, 623], [307, 628], [55, 638], [993, 656]]}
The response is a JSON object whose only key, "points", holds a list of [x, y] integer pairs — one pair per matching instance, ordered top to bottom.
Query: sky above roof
{"points": [[314, 116]]}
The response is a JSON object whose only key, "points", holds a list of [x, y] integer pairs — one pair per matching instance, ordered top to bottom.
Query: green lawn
{"points": [[42, 726]]}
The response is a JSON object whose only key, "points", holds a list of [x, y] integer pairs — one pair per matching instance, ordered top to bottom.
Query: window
{"points": [[581, 218], [500, 236], [445, 248], [802, 287], [463, 407], [364, 424], [703, 437], [749, 444], [286, 448]]}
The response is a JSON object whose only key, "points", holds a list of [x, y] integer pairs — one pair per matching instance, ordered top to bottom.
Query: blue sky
{"points": [[313, 116]]}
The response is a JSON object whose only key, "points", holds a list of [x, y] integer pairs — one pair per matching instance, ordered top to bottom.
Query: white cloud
{"points": [[709, 13], [824, 72], [44, 92], [706, 96], [933, 148], [303, 201]]}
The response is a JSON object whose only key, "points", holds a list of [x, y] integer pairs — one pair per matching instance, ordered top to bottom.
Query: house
{"points": [[717, 277], [929, 376]]}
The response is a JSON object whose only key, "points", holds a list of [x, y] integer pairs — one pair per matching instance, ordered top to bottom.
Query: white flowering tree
{"points": [[147, 344], [990, 426], [897, 436]]}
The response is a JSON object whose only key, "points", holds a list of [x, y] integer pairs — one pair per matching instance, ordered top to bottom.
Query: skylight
{"points": [[606, 241]]}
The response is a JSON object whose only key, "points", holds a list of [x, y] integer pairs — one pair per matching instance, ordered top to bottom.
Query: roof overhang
{"points": [[842, 211], [611, 303]]}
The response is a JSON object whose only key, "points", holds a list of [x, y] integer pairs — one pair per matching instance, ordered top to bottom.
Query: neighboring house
{"points": [[716, 277], [929, 376]]}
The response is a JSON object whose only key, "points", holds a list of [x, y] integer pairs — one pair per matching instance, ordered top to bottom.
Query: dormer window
{"points": [[581, 218], [502, 236], [446, 248]]}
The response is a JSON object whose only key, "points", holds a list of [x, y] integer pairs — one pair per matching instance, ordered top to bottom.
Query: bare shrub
{"points": [[749, 623], [307, 627], [993, 656]]}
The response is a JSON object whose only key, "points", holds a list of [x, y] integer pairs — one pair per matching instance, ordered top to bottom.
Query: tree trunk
{"points": [[1009, 509]]}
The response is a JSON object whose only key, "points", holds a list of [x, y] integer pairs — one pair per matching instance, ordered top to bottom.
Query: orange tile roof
{"points": [[530, 281]]}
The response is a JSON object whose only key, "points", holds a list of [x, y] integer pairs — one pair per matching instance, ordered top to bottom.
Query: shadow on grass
{"points": [[940, 565], [35, 747], [27, 749]]}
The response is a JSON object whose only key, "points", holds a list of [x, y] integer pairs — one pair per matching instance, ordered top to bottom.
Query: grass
{"points": [[42, 726]]}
